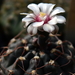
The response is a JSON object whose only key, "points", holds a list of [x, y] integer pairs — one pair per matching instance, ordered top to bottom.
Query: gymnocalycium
{"points": [[40, 52]]}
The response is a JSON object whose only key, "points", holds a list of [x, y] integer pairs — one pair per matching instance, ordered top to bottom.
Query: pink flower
{"points": [[43, 16]]}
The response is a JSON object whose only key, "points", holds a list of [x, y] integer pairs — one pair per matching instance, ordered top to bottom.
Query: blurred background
{"points": [[10, 18]]}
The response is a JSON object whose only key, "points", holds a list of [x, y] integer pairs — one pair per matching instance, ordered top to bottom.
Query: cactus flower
{"points": [[43, 16]]}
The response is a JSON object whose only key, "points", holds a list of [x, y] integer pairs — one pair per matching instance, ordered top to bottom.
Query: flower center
{"points": [[42, 14], [42, 17]]}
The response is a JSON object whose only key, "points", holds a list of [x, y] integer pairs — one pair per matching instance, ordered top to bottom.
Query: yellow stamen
{"points": [[42, 14]]}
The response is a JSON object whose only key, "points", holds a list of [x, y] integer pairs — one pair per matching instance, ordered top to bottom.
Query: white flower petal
{"points": [[40, 5], [43, 7], [46, 7], [50, 7], [34, 8], [57, 10], [23, 13], [31, 15], [27, 19], [61, 19], [53, 21], [26, 24], [37, 24], [56, 27], [48, 28], [30, 29], [34, 30], [55, 31]]}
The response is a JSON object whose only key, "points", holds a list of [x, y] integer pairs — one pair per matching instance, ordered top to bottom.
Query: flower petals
{"points": [[43, 7], [50, 7], [34, 8], [57, 10], [23, 13], [31, 15], [43, 16], [27, 19], [61, 19], [53, 21], [26, 24], [37, 24], [48, 28], [29, 29], [56, 29], [34, 31]]}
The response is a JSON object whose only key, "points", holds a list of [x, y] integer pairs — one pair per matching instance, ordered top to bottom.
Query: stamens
{"points": [[42, 14]]}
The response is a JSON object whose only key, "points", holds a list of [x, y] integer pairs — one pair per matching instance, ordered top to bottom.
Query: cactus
{"points": [[40, 52]]}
